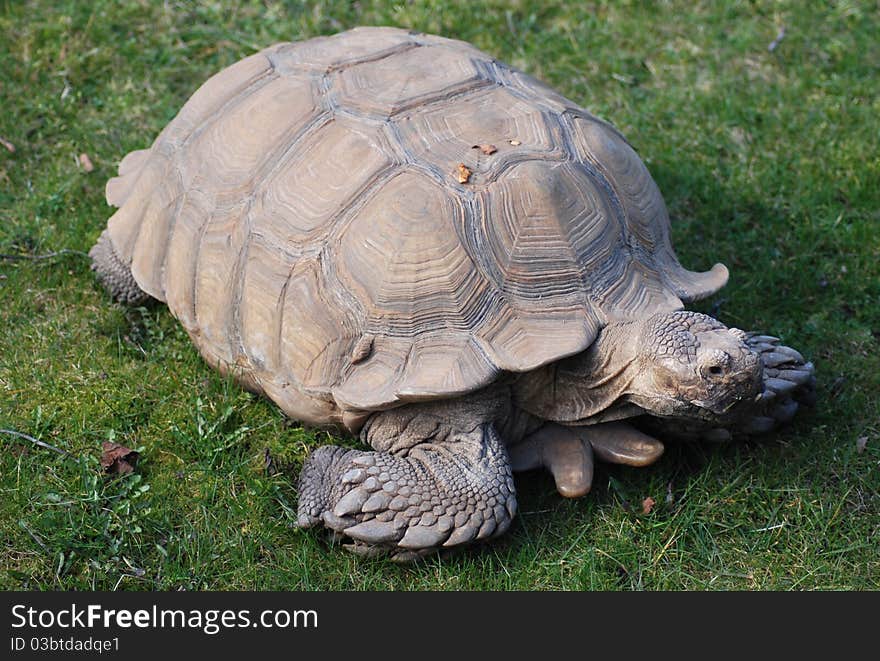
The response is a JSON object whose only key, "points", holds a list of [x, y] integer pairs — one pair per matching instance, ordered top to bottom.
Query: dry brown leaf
{"points": [[515, 143], [9, 146], [487, 149], [86, 162], [464, 173], [362, 349], [861, 444], [117, 459], [647, 505]]}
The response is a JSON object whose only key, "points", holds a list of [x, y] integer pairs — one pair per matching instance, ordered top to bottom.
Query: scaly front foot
{"points": [[434, 495]]}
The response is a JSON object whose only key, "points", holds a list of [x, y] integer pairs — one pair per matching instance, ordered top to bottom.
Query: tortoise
{"points": [[394, 234]]}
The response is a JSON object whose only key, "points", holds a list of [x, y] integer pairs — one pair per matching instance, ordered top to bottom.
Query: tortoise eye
{"points": [[715, 363]]}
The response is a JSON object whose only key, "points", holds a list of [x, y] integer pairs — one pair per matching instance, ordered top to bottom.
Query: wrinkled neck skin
{"points": [[677, 364], [590, 387]]}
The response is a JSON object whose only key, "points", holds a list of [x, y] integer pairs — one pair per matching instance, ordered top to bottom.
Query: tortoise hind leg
{"points": [[113, 273], [424, 490]]}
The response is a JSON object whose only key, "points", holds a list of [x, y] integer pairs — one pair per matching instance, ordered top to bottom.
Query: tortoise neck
{"points": [[589, 387]]}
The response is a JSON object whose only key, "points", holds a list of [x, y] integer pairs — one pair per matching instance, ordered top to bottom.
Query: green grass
{"points": [[768, 161]]}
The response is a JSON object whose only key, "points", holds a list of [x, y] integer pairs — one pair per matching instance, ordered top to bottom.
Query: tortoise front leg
{"points": [[569, 452], [415, 495]]}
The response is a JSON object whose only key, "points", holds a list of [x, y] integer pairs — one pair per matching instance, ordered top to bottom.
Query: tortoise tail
{"points": [[119, 188]]}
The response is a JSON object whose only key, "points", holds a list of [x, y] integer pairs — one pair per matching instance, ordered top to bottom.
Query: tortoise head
{"points": [[693, 366]]}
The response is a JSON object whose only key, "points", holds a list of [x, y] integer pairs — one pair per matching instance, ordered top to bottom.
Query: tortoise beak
{"points": [[742, 390]]}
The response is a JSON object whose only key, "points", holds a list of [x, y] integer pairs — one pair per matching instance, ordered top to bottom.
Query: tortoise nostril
{"points": [[715, 363]]}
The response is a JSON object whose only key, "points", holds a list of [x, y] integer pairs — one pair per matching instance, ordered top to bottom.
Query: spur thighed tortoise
{"points": [[396, 234]]}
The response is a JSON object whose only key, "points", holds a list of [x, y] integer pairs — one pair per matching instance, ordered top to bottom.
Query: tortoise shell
{"points": [[353, 222]]}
